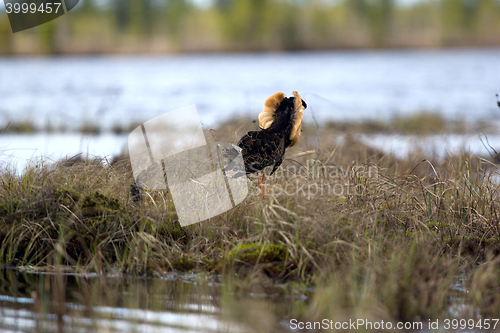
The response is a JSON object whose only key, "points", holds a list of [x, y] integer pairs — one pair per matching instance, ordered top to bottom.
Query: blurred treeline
{"points": [[151, 26]]}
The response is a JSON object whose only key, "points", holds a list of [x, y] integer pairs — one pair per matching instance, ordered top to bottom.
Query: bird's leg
{"points": [[259, 184], [263, 187]]}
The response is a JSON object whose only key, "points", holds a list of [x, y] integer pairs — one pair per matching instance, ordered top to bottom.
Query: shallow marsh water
{"points": [[341, 85], [338, 86], [19, 150], [48, 302], [59, 302]]}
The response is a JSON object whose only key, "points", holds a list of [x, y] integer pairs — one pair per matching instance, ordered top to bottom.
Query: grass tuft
{"points": [[418, 123], [22, 126]]}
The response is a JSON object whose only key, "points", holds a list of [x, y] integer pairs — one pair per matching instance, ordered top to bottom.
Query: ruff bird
{"points": [[280, 126]]}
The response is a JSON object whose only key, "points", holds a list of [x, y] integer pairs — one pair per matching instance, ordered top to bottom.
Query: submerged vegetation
{"points": [[376, 236]]}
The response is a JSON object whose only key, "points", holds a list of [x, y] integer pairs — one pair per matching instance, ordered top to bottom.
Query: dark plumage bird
{"points": [[280, 124]]}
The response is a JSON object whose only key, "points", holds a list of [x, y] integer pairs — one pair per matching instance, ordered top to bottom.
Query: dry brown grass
{"points": [[390, 239]]}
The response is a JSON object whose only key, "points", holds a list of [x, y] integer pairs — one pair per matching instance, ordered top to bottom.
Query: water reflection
{"points": [[32, 302]]}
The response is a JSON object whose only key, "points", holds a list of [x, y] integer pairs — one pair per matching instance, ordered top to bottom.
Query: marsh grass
{"points": [[418, 123], [21, 126], [89, 127], [123, 129], [392, 250]]}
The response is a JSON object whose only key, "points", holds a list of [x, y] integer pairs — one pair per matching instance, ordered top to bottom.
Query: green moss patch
{"points": [[97, 204], [255, 253], [270, 259], [185, 263]]}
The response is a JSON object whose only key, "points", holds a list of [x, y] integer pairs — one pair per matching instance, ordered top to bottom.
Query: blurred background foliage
{"points": [[164, 26]]}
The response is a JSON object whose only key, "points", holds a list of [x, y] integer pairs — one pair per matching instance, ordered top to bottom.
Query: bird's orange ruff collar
{"points": [[266, 117]]}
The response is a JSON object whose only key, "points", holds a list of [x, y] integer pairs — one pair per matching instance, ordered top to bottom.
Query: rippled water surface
{"points": [[337, 85], [32, 302]]}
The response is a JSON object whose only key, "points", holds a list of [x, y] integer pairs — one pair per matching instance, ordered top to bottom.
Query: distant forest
{"points": [[170, 26]]}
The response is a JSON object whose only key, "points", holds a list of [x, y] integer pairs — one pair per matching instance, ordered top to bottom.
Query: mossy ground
{"points": [[361, 227]]}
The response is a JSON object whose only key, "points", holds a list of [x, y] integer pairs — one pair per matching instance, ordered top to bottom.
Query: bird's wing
{"points": [[261, 149]]}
